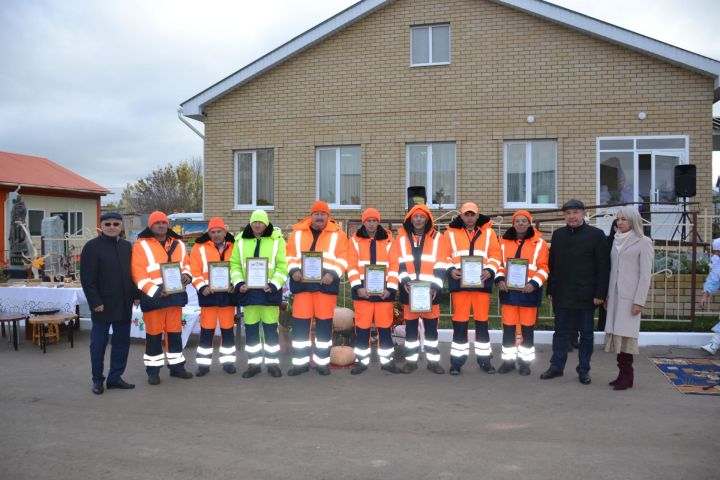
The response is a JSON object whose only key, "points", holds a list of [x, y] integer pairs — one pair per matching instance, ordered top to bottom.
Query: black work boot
{"points": [[507, 366], [358, 368]]}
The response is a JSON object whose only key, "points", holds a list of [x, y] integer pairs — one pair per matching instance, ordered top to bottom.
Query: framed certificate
{"points": [[312, 267], [472, 270], [256, 272], [516, 273], [219, 276], [172, 278], [375, 279], [420, 298]]}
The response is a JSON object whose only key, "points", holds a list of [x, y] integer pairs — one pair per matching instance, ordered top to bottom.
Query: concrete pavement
{"points": [[375, 425]]}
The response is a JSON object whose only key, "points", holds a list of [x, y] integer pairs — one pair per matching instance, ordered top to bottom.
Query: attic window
{"points": [[430, 45]]}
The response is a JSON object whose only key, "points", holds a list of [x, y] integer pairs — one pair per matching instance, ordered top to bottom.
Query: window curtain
{"points": [[543, 161], [418, 165], [443, 173], [326, 174], [515, 174], [350, 176], [244, 178], [265, 192]]}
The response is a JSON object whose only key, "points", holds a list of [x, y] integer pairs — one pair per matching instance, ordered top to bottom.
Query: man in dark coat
{"points": [[579, 274], [110, 291]]}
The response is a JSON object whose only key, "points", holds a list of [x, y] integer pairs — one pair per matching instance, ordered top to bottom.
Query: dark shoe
{"points": [[390, 367], [409, 367], [435, 367], [487, 367], [506, 367], [523, 368], [229, 369], [358, 369], [297, 370], [324, 370], [454, 370], [202, 371], [251, 371], [274, 371], [550, 373], [184, 374], [584, 378], [154, 379], [121, 384], [98, 388]]}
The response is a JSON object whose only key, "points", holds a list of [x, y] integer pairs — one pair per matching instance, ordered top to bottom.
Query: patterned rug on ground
{"points": [[693, 376]]}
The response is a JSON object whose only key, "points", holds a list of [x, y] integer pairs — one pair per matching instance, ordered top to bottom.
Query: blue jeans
{"points": [[564, 320], [118, 354]]}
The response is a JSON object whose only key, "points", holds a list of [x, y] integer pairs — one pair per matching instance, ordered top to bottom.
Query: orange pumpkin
{"points": [[343, 319], [342, 356]]}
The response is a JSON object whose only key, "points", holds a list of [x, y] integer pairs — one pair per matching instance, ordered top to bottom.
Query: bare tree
{"points": [[172, 188]]}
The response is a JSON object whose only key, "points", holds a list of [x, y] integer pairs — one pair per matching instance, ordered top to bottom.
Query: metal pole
{"points": [[693, 270]]}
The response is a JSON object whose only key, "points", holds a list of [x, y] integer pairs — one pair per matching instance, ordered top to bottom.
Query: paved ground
{"points": [[377, 425]]}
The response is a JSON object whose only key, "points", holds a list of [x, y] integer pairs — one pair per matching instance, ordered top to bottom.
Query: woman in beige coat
{"points": [[631, 265]]}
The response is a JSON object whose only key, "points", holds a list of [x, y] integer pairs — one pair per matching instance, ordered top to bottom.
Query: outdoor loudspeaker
{"points": [[685, 180], [416, 196]]}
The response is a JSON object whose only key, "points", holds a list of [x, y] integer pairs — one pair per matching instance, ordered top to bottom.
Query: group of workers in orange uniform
{"points": [[418, 253]]}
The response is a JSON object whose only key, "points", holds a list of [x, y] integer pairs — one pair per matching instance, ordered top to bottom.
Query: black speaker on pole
{"points": [[685, 181], [416, 196]]}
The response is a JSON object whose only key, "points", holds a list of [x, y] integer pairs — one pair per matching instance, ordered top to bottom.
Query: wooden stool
{"points": [[13, 318], [44, 322]]}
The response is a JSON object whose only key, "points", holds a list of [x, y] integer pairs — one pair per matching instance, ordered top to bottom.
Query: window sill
{"points": [[435, 64], [530, 206], [344, 207], [248, 208]]}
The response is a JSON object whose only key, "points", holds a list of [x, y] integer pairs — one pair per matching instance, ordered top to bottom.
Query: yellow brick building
{"points": [[514, 103]]}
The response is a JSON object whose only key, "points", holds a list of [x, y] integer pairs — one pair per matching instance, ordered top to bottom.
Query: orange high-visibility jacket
{"points": [[332, 242], [482, 242], [535, 250], [203, 253], [360, 255], [147, 256], [431, 259]]}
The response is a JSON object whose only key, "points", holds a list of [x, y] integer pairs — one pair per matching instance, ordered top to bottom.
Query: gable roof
{"points": [[193, 107], [38, 172]]}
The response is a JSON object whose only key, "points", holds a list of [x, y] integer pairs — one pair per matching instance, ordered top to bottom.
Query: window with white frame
{"points": [[430, 45], [432, 165], [530, 173], [338, 176], [254, 179], [34, 221], [75, 223]]}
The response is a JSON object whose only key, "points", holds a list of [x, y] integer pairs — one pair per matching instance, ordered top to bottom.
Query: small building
{"points": [[508, 103], [47, 189]]}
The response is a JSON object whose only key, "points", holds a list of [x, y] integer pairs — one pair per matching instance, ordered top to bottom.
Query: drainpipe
{"points": [[199, 134]]}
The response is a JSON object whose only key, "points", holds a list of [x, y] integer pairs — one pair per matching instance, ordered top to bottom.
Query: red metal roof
{"points": [[30, 171]]}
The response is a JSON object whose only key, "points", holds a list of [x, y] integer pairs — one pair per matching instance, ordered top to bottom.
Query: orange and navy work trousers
{"points": [[463, 302], [306, 306], [365, 313], [514, 316], [209, 318], [166, 320], [412, 337]]}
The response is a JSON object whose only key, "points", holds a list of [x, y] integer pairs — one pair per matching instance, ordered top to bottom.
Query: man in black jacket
{"points": [[579, 273], [110, 291]]}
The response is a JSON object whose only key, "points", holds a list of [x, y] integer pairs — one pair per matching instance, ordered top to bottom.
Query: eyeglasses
{"points": [[111, 224]]}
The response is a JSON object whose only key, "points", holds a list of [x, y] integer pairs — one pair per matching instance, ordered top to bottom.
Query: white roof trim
{"points": [[192, 107]]}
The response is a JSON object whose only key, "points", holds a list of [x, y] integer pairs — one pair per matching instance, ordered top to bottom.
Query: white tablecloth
{"points": [[23, 299]]}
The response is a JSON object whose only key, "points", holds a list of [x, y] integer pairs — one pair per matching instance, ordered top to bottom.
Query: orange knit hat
{"points": [[319, 206], [371, 213], [524, 213], [157, 216], [216, 222]]}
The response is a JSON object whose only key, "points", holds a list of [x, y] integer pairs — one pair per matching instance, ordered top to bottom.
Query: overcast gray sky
{"points": [[95, 85]]}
